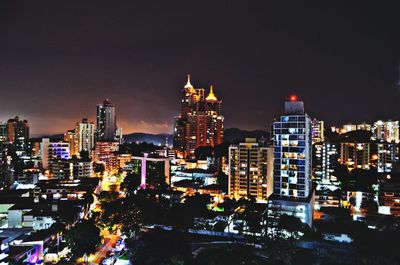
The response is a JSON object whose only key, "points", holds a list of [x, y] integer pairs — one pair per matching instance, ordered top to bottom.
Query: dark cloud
{"points": [[58, 59]]}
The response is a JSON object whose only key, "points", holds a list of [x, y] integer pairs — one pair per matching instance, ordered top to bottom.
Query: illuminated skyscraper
{"points": [[199, 123], [106, 126], [364, 126], [349, 127], [317, 131], [386, 131], [3, 132], [18, 133], [85, 135], [71, 137], [82, 138], [292, 148], [53, 151], [105, 152], [355, 155], [387, 156], [325, 160], [250, 170], [292, 193]]}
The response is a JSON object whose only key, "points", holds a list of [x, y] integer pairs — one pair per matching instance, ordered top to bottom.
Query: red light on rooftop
{"points": [[293, 98]]}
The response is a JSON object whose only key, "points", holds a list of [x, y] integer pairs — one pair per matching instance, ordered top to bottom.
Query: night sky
{"points": [[58, 59]]}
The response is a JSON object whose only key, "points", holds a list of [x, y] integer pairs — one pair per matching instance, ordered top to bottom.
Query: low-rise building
{"points": [[105, 152], [152, 169], [39, 219]]}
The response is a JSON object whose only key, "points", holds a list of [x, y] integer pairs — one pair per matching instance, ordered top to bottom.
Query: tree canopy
{"points": [[83, 238], [161, 247]]}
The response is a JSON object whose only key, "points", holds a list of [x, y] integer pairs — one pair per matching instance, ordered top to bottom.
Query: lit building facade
{"points": [[200, 122], [106, 126], [353, 127], [364, 127], [348, 128], [387, 131], [3, 132], [85, 132], [18, 133], [317, 133], [119, 136], [71, 138], [34, 150], [53, 151], [105, 152], [292, 152], [355, 155], [387, 156], [124, 159], [325, 160], [70, 168], [81, 168], [60, 169], [153, 170], [250, 170], [292, 191], [389, 195]]}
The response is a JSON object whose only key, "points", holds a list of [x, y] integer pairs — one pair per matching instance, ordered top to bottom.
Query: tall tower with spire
{"points": [[199, 123]]}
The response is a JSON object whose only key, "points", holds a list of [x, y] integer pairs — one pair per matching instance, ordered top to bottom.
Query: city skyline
{"points": [[239, 49], [195, 133]]}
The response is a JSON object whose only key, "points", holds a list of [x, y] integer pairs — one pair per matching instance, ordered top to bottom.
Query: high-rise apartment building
{"points": [[200, 122], [106, 126], [354, 127], [364, 127], [348, 128], [387, 131], [3, 132], [85, 132], [18, 133], [317, 133], [119, 136], [71, 138], [34, 148], [53, 151], [105, 152], [355, 155], [388, 155], [325, 161], [81, 168], [250, 170], [292, 192]]}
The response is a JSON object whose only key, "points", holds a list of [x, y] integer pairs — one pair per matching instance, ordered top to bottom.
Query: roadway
{"points": [[109, 243]]}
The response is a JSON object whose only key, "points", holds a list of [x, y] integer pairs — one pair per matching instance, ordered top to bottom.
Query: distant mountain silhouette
{"points": [[231, 135], [234, 135], [53, 138], [157, 139]]}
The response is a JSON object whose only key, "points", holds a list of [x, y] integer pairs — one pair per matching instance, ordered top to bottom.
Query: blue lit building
{"points": [[53, 151], [292, 191]]}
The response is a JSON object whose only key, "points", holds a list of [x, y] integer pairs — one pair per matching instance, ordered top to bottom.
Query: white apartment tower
{"points": [[317, 131], [387, 131], [85, 133], [250, 170]]}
